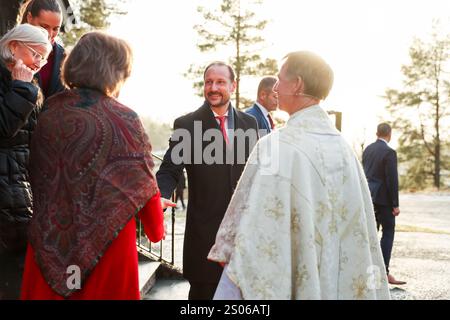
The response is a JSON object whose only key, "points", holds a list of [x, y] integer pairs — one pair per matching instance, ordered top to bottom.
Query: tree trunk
{"points": [[8, 14], [238, 61], [437, 142], [437, 151]]}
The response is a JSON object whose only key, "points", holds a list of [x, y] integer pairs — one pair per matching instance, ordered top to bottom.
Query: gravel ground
{"points": [[421, 253]]}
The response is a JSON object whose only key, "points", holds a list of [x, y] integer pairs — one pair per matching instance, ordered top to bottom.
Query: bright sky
{"points": [[364, 41]]}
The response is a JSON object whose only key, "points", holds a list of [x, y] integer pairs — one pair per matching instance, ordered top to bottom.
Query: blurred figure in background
{"points": [[266, 102], [380, 166], [179, 191]]}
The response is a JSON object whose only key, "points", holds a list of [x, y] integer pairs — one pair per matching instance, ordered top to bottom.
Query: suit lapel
{"points": [[206, 115], [262, 118], [236, 169]]}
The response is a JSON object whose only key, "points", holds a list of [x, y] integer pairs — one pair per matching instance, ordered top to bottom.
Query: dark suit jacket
{"points": [[55, 84], [263, 123], [380, 167], [210, 189]]}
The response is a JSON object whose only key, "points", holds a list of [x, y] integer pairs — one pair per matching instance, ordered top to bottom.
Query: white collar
{"points": [[226, 113], [313, 119], [383, 140]]}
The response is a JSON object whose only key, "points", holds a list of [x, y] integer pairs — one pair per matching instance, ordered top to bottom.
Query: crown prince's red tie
{"points": [[222, 120]]}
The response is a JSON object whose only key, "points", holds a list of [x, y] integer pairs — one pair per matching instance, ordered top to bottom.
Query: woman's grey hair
{"points": [[27, 33]]}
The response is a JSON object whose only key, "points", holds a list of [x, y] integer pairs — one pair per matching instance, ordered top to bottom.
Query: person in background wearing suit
{"points": [[48, 15], [266, 101], [380, 167], [211, 181], [179, 192]]}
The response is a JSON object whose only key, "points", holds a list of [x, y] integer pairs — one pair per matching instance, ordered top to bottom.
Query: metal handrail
{"points": [[157, 157], [147, 250]]}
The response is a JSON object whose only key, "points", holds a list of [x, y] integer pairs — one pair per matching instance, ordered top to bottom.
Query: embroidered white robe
{"points": [[300, 224]]}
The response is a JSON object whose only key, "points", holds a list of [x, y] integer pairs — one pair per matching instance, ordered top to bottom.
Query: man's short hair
{"points": [[98, 61], [221, 64], [313, 70], [266, 84], [383, 129]]}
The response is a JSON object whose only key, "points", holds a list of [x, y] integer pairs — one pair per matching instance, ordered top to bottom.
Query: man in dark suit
{"points": [[266, 101], [208, 144], [380, 167]]}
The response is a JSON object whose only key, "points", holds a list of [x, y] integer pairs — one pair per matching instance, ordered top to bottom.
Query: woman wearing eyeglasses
{"points": [[47, 14], [23, 52]]}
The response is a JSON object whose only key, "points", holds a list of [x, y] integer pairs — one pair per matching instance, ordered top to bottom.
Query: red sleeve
{"points": [[152, 218]]}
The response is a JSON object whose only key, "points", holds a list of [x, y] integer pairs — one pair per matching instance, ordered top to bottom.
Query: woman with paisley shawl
{"points": [[91, 173]]}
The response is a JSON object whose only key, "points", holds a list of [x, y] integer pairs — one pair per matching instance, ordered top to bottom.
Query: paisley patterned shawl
{"points": [[91, 172]]}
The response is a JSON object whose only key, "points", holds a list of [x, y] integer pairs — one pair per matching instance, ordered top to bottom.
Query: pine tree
{"points": [[8, 15], [93, 15], [232, 26], [421, 111]]}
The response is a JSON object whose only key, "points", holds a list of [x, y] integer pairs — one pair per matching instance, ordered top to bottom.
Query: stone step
{"points": [[147, 274], [168, 289]]}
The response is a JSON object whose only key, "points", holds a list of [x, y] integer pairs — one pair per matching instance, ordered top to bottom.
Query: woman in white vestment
{"points": [[301, 224]]}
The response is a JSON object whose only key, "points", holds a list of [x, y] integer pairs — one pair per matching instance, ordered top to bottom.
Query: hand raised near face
{"points": [[22, 72]]}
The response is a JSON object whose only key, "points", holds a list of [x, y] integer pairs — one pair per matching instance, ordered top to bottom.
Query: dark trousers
{"points": [[179, 195], [386, 219], [11, 270], [202, 291]]}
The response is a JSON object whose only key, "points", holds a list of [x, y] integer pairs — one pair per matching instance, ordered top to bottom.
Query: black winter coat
{"points": [[18, 116], [210, 189]]}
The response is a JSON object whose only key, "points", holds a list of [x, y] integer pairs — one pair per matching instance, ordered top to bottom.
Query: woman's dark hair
{"points": [[35, 7]]}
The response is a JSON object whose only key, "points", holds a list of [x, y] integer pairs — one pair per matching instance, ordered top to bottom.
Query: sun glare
{"points": [[365, 42]]}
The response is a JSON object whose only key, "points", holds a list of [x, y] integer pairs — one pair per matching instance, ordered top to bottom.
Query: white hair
{"points": [[25, 33]]}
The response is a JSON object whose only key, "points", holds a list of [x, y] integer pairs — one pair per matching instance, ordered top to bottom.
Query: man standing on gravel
{"points": [[380, 167]]}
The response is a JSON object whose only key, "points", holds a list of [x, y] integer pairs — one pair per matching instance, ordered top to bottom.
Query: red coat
{"points": [[115, 277]]}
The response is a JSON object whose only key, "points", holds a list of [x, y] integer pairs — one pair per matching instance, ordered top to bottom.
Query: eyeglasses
{"points": [[36, 55]]}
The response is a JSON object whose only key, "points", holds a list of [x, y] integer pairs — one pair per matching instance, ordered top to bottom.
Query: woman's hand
{"points": [[21, 72], [165, 203]]}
